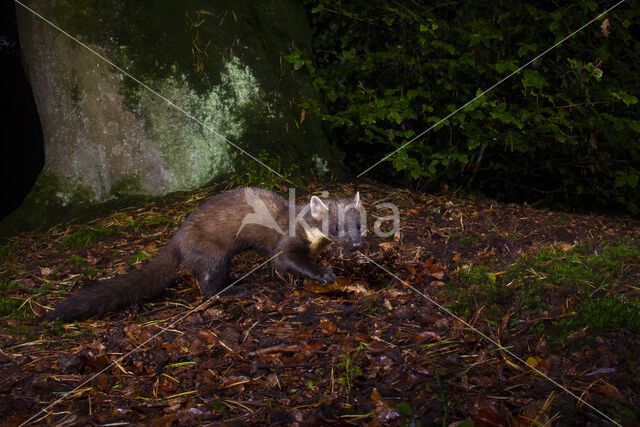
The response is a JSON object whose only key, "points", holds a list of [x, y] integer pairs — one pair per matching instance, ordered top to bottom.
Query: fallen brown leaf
{"points": [[388, 245], [342, 284], [328, 327], [608, 390], [488, 416]]}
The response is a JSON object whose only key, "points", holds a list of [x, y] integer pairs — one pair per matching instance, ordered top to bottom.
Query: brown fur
{"points": [[207, 241]]}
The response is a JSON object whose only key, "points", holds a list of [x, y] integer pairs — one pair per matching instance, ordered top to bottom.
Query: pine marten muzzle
{"points": [[235, 221]]}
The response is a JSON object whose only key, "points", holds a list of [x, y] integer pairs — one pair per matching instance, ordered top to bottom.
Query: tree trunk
{"points": [[220, 62]]}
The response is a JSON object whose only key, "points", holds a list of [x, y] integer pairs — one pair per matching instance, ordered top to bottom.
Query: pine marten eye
{"points": [[358, 226], [337, 228]]}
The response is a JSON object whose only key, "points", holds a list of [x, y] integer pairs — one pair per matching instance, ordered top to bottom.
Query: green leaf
{"points": [[531, 78], [629, 99], [634, 125], [626, 180], [403, 409]]}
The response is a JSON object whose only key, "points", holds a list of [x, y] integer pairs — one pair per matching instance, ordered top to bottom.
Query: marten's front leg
{"points": [[297, 263]]}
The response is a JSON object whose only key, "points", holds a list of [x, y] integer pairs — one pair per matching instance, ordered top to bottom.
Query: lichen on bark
{"points": [[216, 121]]}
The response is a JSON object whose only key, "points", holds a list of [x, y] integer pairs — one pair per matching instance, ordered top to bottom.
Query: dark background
{"points": [[21, 149]]}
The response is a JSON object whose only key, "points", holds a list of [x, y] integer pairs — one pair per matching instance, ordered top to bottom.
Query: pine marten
{"points": [[238, 220]]}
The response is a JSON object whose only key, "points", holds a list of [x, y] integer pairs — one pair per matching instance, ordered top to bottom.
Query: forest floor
{"points": [[558, 292]]}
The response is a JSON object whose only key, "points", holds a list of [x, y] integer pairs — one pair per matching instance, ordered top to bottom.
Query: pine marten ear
{"points": [[356, 200], [318, 208]]}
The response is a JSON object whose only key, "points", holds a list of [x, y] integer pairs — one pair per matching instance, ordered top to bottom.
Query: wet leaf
{"points": [[433, 268], [426, 336], [208, 337], [538, 363], [608, 390], [488, 416]]}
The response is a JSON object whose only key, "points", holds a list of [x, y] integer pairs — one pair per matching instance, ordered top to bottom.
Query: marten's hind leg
{"points": [[212, 273]]}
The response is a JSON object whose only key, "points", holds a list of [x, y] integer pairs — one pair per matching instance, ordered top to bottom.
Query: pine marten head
{"points": [[339, 221]]}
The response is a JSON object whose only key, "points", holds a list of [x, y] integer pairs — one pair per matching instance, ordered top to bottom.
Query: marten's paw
{"points": [[327, 277]]}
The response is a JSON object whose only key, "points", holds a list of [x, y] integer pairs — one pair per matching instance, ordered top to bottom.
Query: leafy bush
{"points": [[565, 130]]}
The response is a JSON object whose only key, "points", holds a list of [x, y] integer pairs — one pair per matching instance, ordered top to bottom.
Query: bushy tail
{"points": [[99, 297]]}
